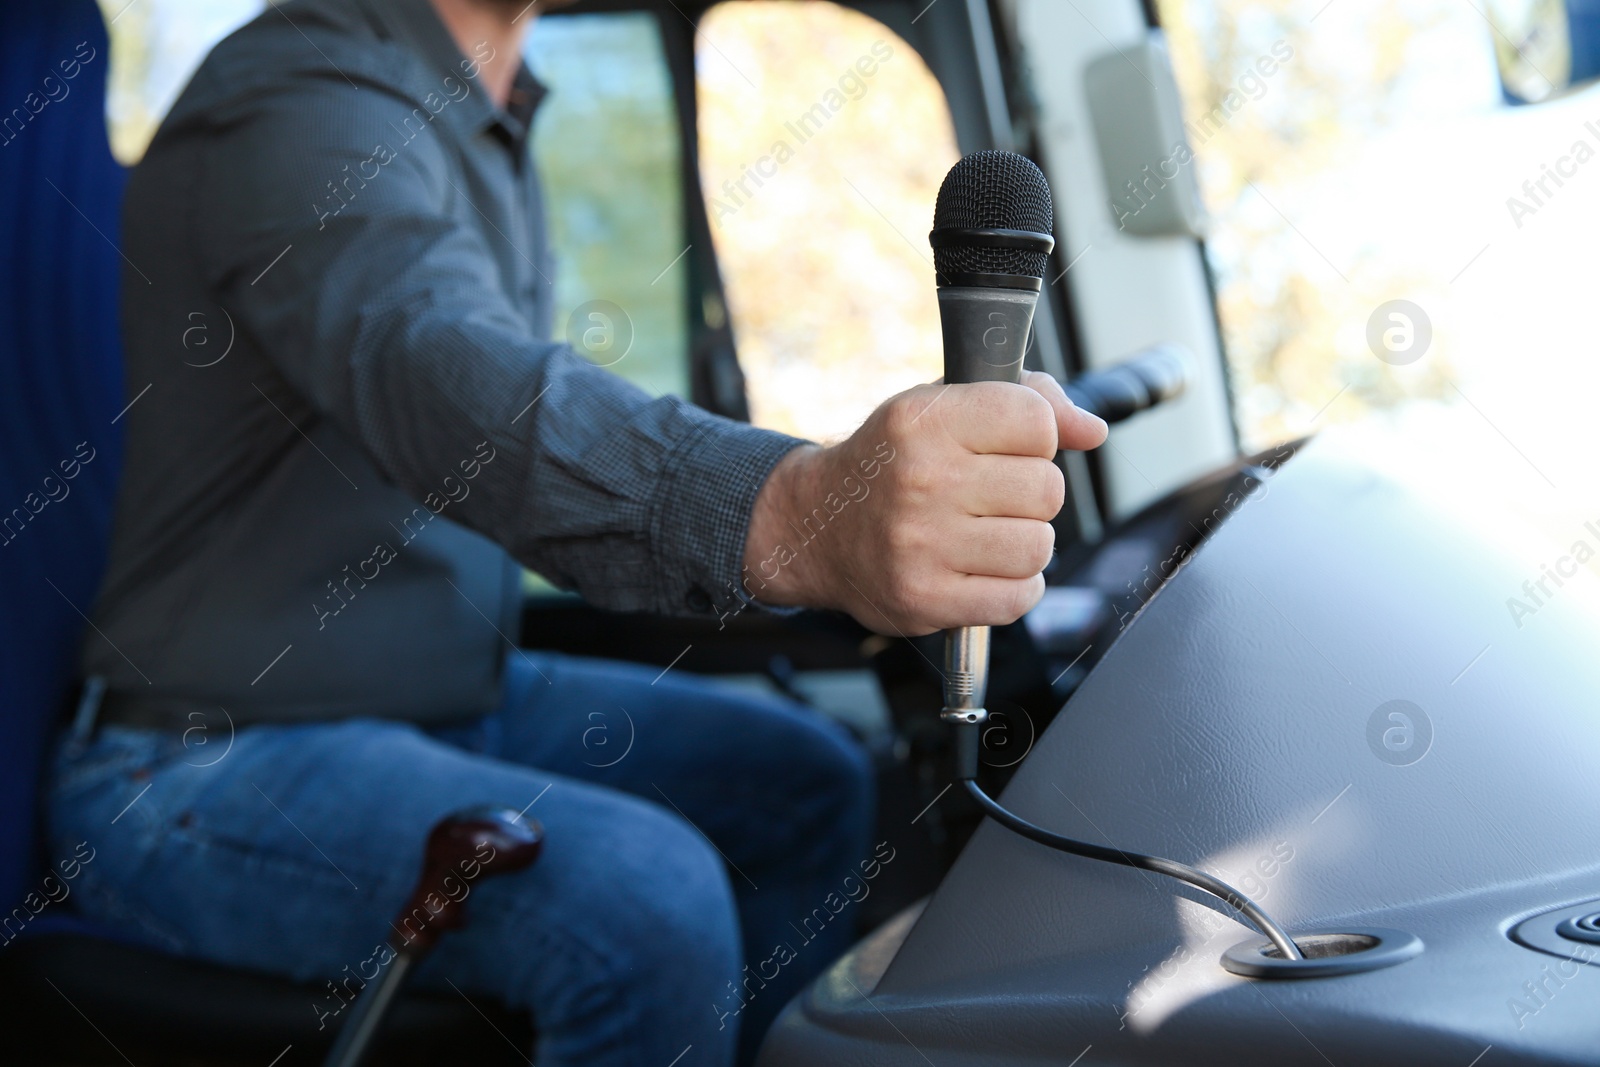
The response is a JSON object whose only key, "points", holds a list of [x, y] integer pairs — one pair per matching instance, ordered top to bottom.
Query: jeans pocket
{"points": [[116, 752], [96, 800]]}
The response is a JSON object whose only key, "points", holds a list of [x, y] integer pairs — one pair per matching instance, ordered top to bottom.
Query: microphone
{"points": [[991, 239]]}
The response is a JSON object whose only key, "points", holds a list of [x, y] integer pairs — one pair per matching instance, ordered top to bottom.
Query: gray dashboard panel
{"points": [[1239, 723]]}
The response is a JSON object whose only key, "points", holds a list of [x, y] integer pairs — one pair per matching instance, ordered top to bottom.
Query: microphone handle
{"points": [[986, 333]]}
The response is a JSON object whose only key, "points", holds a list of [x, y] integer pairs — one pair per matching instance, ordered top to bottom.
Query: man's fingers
{"points": [[997, 418], [1078, 429], [1024, 487], [957, 529], [1001, 547], [981, 600]]}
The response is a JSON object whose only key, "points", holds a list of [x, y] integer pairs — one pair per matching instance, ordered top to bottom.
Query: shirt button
{"points": [[699, 599]]}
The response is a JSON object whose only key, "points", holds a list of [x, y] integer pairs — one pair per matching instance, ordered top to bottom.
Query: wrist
{"points": [[776, 571]]}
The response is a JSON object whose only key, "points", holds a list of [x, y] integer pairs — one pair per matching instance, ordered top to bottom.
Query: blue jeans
{"points": [[689, 829]]}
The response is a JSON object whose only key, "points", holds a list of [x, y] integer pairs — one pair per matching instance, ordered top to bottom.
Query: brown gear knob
{"points": [[462, 849]]}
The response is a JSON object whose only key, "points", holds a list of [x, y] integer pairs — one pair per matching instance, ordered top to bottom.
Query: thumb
{"points": [[1080, 430]]}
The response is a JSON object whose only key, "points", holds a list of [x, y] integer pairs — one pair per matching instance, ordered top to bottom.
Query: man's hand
{"points": [[934, 514]]}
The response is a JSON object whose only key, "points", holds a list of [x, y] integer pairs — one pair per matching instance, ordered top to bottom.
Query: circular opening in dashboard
{"points": [[1581, 928], [1326, 946], [1327, 953]]}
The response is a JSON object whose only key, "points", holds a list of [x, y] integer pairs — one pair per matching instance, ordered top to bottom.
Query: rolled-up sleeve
{"points": [[389, 318]]}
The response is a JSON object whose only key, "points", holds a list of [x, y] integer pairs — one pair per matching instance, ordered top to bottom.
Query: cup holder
{"points": [[1581, 928], [1571, 932], [1327, 953]]}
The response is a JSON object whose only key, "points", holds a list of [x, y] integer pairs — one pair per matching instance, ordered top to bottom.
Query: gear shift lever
{"points": [[456, 848]]}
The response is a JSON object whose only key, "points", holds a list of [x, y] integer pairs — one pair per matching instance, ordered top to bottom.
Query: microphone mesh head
{"points": [[992, 190]]}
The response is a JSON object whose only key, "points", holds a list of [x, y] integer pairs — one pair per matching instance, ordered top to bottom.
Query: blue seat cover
{"points": [[61, 388]]}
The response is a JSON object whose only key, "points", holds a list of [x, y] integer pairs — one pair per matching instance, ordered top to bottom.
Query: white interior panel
{"points": [[1127, 292]]}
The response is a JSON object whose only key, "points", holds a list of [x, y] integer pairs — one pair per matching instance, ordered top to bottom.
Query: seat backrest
{"points": [[61, 386]]}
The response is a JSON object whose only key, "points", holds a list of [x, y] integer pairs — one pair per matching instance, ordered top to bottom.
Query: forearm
{"points": [[639, 503]]}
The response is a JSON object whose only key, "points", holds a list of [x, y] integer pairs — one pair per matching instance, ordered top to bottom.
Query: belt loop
{"points": [[87, 716]]}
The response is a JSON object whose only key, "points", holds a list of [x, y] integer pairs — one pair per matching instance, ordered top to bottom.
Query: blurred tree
{"points": [[155, 47], [607, 145], [825, 254], [1294, 313]]}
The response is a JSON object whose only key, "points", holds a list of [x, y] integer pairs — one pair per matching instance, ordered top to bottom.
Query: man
{"points": [[307, 626]]}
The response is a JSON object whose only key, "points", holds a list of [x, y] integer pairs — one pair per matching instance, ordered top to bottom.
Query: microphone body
{"points": [[991, 240], [985, 330]]}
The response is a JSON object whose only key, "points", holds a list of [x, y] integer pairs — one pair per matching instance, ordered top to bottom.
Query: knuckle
{"points": [[983, 402], [899, 409], [900, 413], [1039, 425], [919, 476], [1040, 490], [1053, 493], [905, 539], [1044, 546], [1025, 550], [1025, 594], [913, 597]]}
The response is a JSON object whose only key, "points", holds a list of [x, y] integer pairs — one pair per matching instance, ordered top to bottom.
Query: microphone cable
{"points": [[967, 738]]}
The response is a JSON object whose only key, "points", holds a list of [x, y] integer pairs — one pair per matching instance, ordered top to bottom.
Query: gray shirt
{"points": [[347, 419]]}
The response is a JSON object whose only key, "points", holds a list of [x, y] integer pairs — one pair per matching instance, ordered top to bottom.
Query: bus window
{"points": [[155, 47], [823, 139], [605, 140], [607, 144]]}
